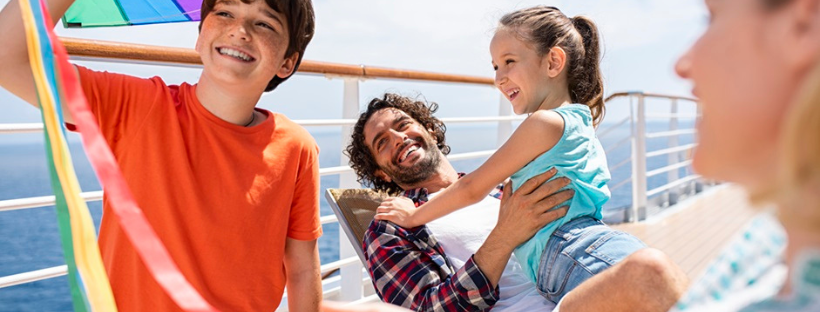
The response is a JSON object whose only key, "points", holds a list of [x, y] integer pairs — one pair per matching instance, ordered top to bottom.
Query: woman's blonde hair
{"points": [[798, 186]]}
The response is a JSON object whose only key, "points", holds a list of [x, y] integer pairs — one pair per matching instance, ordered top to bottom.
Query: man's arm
{"points": [[16, 76], [521, 215], [408, 268], [303, 273]]}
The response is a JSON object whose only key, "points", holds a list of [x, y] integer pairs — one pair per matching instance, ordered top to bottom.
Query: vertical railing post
{"points": [[504, 127], [674, 158], [639, 162], [700, 184], [351, 275]]}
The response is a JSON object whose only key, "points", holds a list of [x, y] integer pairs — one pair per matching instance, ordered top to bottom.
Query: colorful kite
{"points": [[95, 13], [56, 84]]}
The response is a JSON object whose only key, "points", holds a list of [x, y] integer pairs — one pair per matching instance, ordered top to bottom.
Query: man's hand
{"points": [[531, 207], [399, 210], [522, 214]]}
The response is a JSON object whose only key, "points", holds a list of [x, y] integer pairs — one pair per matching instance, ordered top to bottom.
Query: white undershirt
{"points": [[461, 233]]}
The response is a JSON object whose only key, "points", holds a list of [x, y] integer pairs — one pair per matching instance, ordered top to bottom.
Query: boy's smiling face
{"points": [[244, 44]]}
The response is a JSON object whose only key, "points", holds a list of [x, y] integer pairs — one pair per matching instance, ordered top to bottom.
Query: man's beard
{"points": [[419, 172]]}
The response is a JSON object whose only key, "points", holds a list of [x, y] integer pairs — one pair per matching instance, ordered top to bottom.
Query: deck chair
{"points": [[355, 209]]}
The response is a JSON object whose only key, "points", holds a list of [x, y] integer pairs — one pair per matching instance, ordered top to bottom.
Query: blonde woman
{"points": [[747, 70]]}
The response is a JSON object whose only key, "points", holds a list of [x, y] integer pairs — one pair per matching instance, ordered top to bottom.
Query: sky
{"points": [[642, 39]]}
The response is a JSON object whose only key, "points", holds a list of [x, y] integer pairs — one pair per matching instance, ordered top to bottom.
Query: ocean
{"points": [[29, 238]]}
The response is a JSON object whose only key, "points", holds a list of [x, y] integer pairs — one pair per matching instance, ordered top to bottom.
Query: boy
{"points": [[231, 190]]}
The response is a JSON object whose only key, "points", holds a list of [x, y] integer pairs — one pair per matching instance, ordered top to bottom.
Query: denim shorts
{"points": [[578, 250]]}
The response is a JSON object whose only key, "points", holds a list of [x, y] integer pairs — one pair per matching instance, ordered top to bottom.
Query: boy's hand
{"points": [[399, 210]]}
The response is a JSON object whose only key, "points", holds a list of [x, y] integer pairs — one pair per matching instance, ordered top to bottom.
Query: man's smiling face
{"points": [[404, 150]]}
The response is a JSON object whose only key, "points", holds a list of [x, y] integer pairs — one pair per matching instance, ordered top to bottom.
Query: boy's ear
{"points": [[557, 59], [288, 66], [381, 175]]}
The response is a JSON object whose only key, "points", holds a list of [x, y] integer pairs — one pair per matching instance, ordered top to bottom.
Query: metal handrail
{"points": [[141, 53], [649, 95], [667, 116], [13, 128], [21, 128], [605, 132], [663, 134], [618, 144], [671, 150], [620, 164], [668, 168], [620, 184], [668, 186], [43, 201], [335, 265], [57, 271], [33, 276]]}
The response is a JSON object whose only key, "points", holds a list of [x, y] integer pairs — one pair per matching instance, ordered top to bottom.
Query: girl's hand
{"points": [[399, 210]]}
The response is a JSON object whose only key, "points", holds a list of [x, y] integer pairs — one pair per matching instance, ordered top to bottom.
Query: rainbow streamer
{"points": [[89, 283]]}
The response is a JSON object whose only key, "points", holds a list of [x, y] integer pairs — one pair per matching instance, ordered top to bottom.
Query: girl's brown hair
{"points": [[546, 27]]}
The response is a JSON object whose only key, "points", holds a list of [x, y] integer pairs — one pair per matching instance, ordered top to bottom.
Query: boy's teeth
{"points": [[235, 53]]}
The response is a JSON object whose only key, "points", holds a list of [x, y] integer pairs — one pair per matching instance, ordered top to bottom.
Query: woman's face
{"points": [[744, 81]]}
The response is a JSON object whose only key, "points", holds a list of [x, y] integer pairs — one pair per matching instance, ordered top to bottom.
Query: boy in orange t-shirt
{"points": [[231, 190]]}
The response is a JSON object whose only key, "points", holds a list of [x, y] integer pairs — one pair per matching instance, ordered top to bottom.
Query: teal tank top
{"points": [[578, 155]]}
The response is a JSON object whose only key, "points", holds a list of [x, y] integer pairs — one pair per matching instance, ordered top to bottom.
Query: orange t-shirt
{"points": [[222, 198]]}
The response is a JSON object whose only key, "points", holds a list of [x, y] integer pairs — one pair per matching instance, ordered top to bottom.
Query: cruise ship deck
{"points": [[688, 218], [696, 230]]}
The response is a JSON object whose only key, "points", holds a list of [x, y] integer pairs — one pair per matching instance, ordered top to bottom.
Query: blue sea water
{"points": [[29, 238]]}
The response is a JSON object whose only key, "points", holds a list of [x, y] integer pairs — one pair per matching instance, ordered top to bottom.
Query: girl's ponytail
{"points": [[586, 83]]}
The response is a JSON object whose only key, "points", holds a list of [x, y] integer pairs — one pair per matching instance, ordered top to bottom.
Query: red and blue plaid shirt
{"points": [[409, 268]]}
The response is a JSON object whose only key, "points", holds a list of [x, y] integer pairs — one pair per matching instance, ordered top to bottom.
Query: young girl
{"points": [[548, 67]]}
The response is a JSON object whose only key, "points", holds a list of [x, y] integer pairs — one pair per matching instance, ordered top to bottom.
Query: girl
{"points": [[547, 65]]}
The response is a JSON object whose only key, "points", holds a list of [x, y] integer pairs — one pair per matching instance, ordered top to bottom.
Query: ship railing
{"points": [[675, 172], [352, 283]]}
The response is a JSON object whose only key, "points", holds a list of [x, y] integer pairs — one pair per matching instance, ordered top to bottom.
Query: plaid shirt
{"points": [[409, 268]]}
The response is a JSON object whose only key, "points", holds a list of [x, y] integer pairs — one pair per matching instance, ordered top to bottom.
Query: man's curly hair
{"points": [[361, 158]]}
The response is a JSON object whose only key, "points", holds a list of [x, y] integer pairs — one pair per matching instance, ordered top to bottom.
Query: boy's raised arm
{"points": [[15, 75]]}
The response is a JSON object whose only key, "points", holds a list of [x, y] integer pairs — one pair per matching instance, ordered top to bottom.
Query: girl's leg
{"points": [[577, 251]]}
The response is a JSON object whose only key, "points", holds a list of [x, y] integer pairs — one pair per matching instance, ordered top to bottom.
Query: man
{"points": [[398, 146], [231, 190]]}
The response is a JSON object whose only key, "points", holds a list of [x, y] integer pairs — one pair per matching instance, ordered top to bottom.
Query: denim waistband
{"points": [[578, 223]]}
